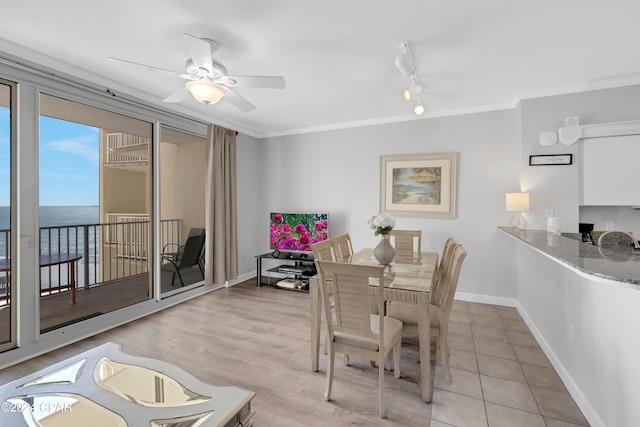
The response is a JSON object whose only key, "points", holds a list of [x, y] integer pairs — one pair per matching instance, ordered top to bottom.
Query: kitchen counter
{"points": [[620, 265]]}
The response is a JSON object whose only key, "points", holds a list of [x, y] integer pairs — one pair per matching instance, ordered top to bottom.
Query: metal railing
{"points": [[117, 141], [110, 251]]}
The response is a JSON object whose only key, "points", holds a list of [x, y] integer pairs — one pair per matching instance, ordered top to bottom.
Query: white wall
{"points": [[339, 172], [558, 187], [250, 199], [598, 360]]}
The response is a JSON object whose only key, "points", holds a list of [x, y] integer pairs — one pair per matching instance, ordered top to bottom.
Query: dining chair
{"points": [[404, 242], [342, 246], [323, 250], [445, 260], [439, 307], [352, 328]]}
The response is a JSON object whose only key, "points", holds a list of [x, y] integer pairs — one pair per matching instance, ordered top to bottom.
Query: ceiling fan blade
{"points": [[200, 51], [150, 68], [267, 82], [178, 96], [238, 101]]}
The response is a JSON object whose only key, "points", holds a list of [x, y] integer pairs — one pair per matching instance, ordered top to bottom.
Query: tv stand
{"points": [[292, 273]]}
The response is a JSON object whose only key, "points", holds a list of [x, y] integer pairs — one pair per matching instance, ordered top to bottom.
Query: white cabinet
{"points": [[609, 170]]}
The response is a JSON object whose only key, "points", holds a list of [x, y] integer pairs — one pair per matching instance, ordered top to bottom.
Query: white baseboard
{"points": [[240, 279], [486, 299], [583, 403]]}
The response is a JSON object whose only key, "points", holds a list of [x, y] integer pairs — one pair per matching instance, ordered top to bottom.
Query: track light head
{"points": [[413, 92], [418, 107]]}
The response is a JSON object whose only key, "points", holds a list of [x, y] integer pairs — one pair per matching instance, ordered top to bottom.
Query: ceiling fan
{"points": [[208, 78]]}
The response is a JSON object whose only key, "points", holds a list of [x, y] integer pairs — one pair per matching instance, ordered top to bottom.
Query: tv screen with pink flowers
{"points": [[297, 231]]}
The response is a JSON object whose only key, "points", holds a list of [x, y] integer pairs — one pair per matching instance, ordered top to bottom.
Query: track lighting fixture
{"points": [[404, 62], [407, 67], [413, 92], [418, 107]]}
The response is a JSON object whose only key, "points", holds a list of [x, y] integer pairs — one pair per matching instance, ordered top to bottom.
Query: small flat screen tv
{"points": [[296, 232]]}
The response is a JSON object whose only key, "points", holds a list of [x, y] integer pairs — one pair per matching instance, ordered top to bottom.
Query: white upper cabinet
{"points": [[609, 171]]}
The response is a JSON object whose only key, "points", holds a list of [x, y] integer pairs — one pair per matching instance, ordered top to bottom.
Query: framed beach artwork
{"points": [[419, 185]]}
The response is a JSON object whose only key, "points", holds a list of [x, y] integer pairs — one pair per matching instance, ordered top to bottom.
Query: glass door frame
{"points": [[11, 283]]}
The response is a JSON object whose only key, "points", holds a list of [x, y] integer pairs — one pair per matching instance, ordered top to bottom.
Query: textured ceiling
{"points": [[337, 56]]}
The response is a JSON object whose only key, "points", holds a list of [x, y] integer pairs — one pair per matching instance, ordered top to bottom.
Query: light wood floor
{"points": [[258, 338]]}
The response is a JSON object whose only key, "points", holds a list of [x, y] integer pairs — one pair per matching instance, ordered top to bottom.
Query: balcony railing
{"points": [[121, 148], [110, 251]]}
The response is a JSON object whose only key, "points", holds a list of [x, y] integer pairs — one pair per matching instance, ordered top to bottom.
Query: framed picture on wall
{"points": [[419, 184]]}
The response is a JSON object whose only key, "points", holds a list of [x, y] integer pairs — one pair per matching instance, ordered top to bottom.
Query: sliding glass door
{"points": [[7, 142], [182, 210], [95, 212]]}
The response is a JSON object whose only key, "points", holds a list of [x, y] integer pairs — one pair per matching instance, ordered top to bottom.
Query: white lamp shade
{"points": [[206, 92], [517, 202]]}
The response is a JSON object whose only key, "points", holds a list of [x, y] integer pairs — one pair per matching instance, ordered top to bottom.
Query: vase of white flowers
{"points": [[383, 224]]}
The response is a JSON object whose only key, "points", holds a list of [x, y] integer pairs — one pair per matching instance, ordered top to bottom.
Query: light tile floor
{"points": [[501, 377]]}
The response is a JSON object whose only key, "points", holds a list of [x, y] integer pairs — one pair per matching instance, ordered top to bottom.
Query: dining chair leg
{"points": [[444, 354], [396, 358], [330, 365], [381, 386]]}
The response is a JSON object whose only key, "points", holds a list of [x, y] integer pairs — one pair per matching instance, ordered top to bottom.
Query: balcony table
{"points": [[48, 260], [406, 280]]}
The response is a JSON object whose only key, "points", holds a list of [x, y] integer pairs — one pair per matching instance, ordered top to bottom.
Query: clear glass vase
{"points": [[384, 251]]}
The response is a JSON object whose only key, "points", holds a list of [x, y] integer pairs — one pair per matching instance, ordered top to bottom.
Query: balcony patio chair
{"points": [[187, 256], [352, 328]]}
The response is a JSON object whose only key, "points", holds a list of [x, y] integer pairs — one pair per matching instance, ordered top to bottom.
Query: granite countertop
{"points": [[620, 264]]}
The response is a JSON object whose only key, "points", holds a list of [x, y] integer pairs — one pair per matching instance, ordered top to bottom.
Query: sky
{"points": [[69, 156]]}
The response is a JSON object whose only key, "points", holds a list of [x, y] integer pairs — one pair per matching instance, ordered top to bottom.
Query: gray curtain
{"points": [[221, 247]]}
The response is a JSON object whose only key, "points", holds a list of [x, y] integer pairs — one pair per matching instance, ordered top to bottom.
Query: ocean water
{"points": [[58, 215]]}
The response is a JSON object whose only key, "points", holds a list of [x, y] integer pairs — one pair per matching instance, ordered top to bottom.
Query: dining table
{"points": [[407, 279]]}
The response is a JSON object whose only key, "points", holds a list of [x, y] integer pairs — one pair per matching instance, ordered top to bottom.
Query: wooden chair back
{"points": [[404, 242], [342, 246], [323, 250], [445, 261], [448, 284], [350, 288]]}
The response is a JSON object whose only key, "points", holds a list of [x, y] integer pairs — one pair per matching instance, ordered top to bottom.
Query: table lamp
{"points": [[517, 203]]}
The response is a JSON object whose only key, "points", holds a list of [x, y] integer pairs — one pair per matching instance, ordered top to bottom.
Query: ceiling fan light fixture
{"points": [[206, 92], [412, 92]]}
